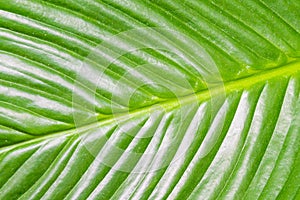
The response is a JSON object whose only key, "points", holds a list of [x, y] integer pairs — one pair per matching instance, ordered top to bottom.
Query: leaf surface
{"points": [[149, 99]]}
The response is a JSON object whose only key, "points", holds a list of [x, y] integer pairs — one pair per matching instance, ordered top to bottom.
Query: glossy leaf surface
{"points": [[149, 99]]}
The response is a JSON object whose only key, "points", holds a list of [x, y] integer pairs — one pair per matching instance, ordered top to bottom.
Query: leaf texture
{"points": [[65, 133]]}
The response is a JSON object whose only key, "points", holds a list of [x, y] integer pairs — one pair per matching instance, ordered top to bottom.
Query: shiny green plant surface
{"points": [[208, 108]]}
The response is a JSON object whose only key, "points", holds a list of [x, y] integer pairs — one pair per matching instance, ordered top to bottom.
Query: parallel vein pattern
{"points": [[243, 143], [242, 159]]}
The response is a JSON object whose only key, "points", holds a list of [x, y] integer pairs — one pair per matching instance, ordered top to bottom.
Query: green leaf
{"points": [[149, 99]]}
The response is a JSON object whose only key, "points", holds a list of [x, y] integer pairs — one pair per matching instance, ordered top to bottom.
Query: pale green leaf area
{"points": [[199, 100]]}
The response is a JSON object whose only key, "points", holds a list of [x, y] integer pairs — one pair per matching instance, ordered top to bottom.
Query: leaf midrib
{"points": [[285, 70]]}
